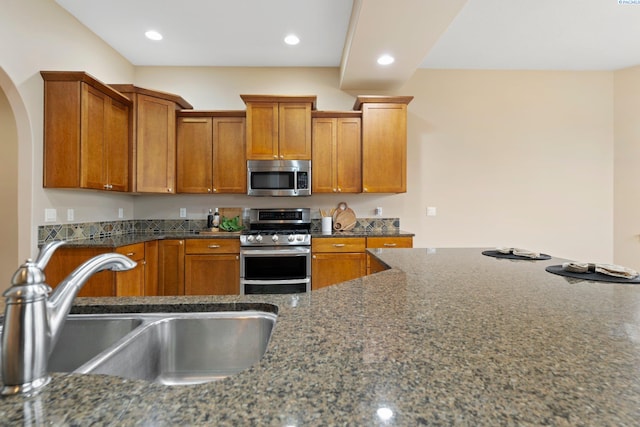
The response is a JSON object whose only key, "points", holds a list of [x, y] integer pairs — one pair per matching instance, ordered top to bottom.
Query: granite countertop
{"points": [[130, 239], [445, 337]]}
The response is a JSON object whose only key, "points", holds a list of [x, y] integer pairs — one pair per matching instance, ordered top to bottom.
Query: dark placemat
{"points": [[497, 254], [596, 277]]}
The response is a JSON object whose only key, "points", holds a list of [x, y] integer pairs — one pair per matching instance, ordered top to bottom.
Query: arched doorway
{"points": [[15, 212]]}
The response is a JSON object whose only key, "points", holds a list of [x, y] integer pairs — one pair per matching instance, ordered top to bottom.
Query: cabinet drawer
{"points": [[389, 242], [338, 244], [212, 246], [135, 251]]}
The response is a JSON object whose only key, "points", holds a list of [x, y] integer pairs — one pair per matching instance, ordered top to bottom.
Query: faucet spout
{"points": [[61, 300], [33, 320]]}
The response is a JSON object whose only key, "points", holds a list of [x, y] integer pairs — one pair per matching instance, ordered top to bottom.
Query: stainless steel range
{"points": [[275, 252]]}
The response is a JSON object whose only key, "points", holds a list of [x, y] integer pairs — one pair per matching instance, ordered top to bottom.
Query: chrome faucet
{"points": [[33, 320]]}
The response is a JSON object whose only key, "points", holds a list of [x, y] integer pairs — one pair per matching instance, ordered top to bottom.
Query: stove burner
{"points": [[277, 227]]}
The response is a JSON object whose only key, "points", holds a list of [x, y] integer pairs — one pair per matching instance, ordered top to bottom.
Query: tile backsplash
{"points": [[98, 230]]}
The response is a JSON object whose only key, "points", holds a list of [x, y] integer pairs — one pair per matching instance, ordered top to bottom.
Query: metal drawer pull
{"points": [[194, 120], [391, 244], [339, 245], [213, 246], [131, 254]]}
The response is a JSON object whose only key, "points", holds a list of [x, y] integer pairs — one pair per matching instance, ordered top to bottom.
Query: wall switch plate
{"points": [[431, 211], [183, 212], [120, 213], [50, 215], [70, 215]]}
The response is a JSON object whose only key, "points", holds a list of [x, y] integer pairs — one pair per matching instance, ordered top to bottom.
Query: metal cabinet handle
{"points": [[194, 120], [169, 189], [391, 244], [339, 245], [213, 246], [131, 253], [314, 257]]}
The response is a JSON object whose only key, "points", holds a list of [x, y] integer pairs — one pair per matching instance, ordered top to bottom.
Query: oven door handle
{"points": [[274, 252]]}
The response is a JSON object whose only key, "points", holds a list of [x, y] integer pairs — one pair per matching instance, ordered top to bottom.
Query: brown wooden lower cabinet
{"points": [[336, 259], [171, 267], [212, 267], [131, 282], [105, 283]]}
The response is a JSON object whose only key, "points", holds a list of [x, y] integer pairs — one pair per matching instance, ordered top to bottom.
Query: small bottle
{"points": [[210, 219], [216, 219]]}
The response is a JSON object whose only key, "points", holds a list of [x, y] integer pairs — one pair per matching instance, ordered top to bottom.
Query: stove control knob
{"points": [[250, 238], [258, 238], [274, 238], [291, 238], [300, 238]]}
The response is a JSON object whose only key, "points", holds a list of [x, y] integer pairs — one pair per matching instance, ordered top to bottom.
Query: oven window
{"points": [[272, 180], [275, 267]]}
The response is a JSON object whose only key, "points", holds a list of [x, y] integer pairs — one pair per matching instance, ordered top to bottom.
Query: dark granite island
{"points": [[446, 338]]}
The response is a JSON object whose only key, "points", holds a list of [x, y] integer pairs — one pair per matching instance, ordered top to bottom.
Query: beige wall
{"points": [[507, 157], [627, 168], [8, 191]]}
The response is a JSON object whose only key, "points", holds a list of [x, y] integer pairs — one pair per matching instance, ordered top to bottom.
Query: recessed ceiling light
{"points": [[153, 35], [292, 40], [386, 60]]}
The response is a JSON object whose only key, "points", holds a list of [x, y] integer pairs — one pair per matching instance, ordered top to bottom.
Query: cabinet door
{"points": [[62, 124], [262, 130], [92, 131], [116, 138], [294, 140], [155, 145], [384, 148], [195, 155], [229, 155], [348, 159], [323, 178], [171, 267], [151, 268], [331, 268], [212, 274], [131, 282]]}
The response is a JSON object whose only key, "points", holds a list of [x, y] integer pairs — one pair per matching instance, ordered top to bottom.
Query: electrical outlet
{"points": [[378, 211], [431, 211], [183, 212], [120, 213], [50, 215], [70, 215]]}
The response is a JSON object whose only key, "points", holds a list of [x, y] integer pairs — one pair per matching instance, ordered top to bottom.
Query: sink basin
{"points": [[84, 337], [166, 348], [191, 349]]}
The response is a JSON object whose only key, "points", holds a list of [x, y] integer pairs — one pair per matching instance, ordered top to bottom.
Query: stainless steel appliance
{"points": [[279, 177], [275, 252]]}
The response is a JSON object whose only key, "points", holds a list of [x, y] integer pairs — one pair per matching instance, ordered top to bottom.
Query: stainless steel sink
{"points": [[84, 337], [166, 348], [191, 349]]}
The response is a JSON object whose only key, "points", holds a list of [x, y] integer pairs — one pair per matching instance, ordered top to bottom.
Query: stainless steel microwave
{"points": [[279, 177]]}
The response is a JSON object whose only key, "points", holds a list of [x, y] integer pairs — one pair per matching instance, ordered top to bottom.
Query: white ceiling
{"points": [[473, 34]]}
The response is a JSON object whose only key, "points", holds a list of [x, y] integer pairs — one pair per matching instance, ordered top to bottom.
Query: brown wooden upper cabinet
{"points": [[278, 127], [86, 133], [154, 138], [384, 143], [211, 152], [337, 152]]}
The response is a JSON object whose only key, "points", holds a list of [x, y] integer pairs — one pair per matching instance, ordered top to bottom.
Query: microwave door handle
{"points": [[295, 181]]}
